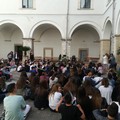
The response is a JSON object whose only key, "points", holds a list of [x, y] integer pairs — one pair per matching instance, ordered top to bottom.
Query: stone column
{"points": [[29, 42], [117, 45], [64, 47], [68, 47], [104, 47]]}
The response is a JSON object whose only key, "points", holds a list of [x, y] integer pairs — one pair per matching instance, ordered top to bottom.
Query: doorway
{"points": [[19, 52], [48, 53], [83, 55]]}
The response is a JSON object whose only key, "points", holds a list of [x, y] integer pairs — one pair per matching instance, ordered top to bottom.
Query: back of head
{"points": [[99, 74], [110, 75], [105, 82], [10, 87], [81, 92], [68, 98], [113, 110]]}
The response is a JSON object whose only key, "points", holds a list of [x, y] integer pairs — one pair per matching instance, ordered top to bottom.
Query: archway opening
{"points": [[10, 37], [47, 42], [85, 43]]}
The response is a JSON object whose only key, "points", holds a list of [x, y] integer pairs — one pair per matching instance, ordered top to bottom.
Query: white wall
{"points": [[40, 7], [54, 12], [84, 38], [50, 39]]}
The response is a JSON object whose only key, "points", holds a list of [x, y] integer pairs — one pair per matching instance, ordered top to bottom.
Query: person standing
{"points": [[10, 56], [31, 56], [16, 58], [105, 62], [112, 62], [106, 90], [14, 105]]}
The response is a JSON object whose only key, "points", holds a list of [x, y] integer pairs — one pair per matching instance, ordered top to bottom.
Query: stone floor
{"points": [[35, 114]]}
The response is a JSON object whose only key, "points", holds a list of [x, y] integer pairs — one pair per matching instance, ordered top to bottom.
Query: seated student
{"points": [[20, 68], [33, 69], [52, 80], [2, 89], [41, 96], [54, 96], [118, 103], [14, 105], [68, 110], [112, 113]]}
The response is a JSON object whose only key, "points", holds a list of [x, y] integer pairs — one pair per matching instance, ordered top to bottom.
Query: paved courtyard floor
{"points": [[35, 114]]}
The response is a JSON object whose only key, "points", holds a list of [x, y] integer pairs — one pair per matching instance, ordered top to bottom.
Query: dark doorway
{"points": [[19, 52]]}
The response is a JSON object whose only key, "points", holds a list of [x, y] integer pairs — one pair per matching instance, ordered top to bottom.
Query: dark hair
{"points": [[99, 74], [109, 75], [105, 82], [10, 87], [81, 92], [68, 98], [118, 99], [113, 110]]}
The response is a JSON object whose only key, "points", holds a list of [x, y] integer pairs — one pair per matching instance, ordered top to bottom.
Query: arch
{"points": [[11, 22], [105, 22], [43, 23], [90, 23], [118, 24], [107, 28]]}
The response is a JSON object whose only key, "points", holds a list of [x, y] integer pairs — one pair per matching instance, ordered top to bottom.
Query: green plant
{"points": [[118, 51], [118, 74]]}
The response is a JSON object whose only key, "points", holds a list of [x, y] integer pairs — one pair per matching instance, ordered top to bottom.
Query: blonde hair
{"points": [[54, 88]]}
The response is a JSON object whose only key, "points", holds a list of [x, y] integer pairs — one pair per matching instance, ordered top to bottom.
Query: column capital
{"points": [[117, 35], [28, 38], [63, 39], [66, 39], [69, 39], [105, 40]]}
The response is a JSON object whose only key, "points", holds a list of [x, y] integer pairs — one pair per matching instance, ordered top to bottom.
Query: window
{"points": [[27, 3], [85, 4]]}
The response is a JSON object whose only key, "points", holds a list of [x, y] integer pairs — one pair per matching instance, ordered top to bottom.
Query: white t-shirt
{"points": [[105, 59], [19, 68], [97, 79], [52, 82], [107, 93], [54, 99]]}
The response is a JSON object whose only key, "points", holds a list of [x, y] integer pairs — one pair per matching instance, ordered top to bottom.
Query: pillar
{"points": [[29, 42], [117, 45], [66, 46], [104, 47]]}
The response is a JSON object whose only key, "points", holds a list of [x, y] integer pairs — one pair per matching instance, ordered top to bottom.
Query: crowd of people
{"points": [[77, 90]]}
